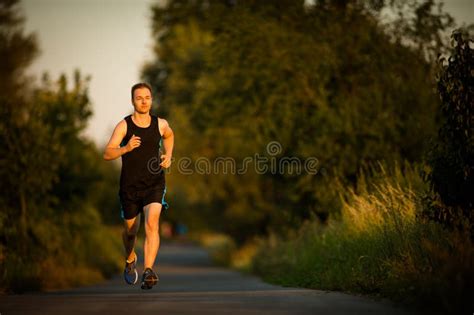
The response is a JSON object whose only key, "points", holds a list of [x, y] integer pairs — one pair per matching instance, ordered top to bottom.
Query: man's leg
{"points": [[129, 236], [152, 237]]}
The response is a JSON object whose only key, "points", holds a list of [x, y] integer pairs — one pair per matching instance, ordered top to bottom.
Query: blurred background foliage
{"points": [[348, 82], [356, 84], [53, 189]]}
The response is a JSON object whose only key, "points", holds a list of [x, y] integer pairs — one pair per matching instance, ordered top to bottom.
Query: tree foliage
{"points": [[328, 80], [452, 156], [48, 194]]}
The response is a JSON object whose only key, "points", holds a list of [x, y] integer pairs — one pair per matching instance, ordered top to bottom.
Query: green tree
{"points": [[328, 80], [452, 156], [27, 166], [49, 221]]}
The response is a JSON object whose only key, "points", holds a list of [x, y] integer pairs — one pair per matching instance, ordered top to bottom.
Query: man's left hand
{"points": [[165, 161]]}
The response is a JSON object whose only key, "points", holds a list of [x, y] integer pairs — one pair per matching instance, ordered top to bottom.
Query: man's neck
{"points": [[142, 120]]}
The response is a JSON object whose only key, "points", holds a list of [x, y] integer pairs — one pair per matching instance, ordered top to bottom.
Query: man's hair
{"points": [[141, 85]]}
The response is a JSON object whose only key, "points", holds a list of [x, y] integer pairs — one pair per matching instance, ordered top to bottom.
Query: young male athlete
{"points": [[137, 139]]}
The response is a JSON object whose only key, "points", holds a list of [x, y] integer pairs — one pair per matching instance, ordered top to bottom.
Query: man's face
{"points": [[142, 100]]}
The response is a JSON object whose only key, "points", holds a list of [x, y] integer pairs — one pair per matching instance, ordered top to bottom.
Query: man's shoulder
{"points": [[162, 121], [122, 125]]}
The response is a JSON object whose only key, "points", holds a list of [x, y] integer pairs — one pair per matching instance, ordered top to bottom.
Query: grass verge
{"points": [[382, 246]]}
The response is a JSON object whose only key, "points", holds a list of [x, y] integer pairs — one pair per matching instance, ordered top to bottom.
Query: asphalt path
{"points": [[191, 284]]}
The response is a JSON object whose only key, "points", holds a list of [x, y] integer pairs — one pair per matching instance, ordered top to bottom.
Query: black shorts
{"points": [[132, 203]]}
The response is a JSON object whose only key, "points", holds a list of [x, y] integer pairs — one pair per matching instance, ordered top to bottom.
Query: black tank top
{"points": [[140, 167]]}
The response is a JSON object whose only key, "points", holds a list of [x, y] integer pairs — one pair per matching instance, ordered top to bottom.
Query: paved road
{"points": [[190, 284]]}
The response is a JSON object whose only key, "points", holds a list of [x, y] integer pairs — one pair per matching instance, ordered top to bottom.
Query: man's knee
{"points": [[151, 226], [131, 229]]}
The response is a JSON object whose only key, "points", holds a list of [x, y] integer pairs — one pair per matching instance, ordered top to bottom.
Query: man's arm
{"points": [[168, 143], [113, 149]]}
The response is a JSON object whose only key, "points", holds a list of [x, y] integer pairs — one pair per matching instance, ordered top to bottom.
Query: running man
{"points": [[137, 139]]}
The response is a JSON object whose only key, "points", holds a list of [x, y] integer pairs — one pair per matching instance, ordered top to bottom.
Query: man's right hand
{"points": [[133, 143]]}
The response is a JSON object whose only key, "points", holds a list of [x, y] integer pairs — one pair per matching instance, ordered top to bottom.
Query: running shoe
{"points": [[130, 272], [149, 279]]}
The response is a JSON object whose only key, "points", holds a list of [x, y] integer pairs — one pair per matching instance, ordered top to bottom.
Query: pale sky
{"points": [[107, 39], [110, 40]]}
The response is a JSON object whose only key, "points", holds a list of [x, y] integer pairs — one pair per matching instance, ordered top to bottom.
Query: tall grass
{"points": [[381, 245]]}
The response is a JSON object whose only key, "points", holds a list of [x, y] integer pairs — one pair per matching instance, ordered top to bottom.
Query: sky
{"points": [[107, 39], [110, 40]]}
